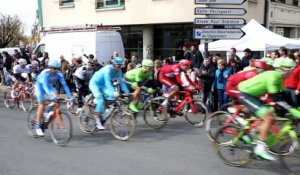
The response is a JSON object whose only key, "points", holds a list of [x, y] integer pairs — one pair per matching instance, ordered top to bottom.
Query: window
{"points": [[295, 2], [63, 3], [100, 4]]}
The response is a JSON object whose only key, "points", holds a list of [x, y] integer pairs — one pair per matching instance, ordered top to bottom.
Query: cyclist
{"points": [[20, 73], [169, 76], [138, 77], [268, 82], [101, 84], [45, 85]]}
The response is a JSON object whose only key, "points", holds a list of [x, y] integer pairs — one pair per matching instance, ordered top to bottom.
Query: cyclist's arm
{"points": [[123, 85]]}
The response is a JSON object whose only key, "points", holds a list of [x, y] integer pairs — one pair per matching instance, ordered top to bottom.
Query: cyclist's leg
{"points": [[40, 95], [99, 104], [266, 114]]}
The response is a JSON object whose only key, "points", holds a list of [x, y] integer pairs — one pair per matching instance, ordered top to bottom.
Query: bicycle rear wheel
{"points": [[9, 102], [26, 102], [154, 115], [195, 119], [31, 121], [86, 121], [214, 122], [122, 124], [61, 135], [234, 155]]}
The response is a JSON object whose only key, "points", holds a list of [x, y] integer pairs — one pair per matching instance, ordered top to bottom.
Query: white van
{"points": [[101, 44], [10, 50]]}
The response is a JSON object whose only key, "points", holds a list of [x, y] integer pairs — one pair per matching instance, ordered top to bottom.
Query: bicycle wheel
{"points": [[9, 102], [26, 102], [73, 106], [227, 107], [154, 116], [195, 119], [31, 121], [86, 121], [214, 122], [122, 124], [61, 135], [234, 155]]}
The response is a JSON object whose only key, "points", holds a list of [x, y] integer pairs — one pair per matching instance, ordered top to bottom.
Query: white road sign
{"points": [[233, 2], [219, 11], [220, 21], [218, 33]]}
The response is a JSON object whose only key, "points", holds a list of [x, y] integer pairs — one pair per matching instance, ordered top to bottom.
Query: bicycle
{"points": [[23, 98], [194, 111], [119, 118], [59, 124], [281, 141]]}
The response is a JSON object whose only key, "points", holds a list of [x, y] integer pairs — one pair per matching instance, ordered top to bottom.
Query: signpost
{"points": [[229, 2], [219, 11], [219, 21], [218, 33]]}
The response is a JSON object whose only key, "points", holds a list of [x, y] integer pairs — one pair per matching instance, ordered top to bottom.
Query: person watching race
{"points": [[20, 73], [169, 76], [138, 77], [269, 82], [101, 84], [45, 85]]}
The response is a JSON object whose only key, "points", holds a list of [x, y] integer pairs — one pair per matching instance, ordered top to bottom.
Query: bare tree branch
{"points": [[11, 29]]}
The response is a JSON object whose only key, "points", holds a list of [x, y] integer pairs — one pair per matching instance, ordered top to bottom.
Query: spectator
{"points": [[283, 52], [17, 53], [186, 53], [115, 54], [275, 54], [232, 55], [45, 57], [247, 57], [34, 58], [196, 58], [133, 63], [7, 65], [64, 65], [125, 65], [233, 66], [206, 75], [221, 75], [292, 83]]}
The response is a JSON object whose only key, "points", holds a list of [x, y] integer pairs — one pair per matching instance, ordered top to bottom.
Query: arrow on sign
{"points": [[233, 2], [219, 11], [220, 21], [218, 33]]}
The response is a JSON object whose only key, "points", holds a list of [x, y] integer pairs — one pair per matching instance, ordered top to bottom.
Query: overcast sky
{"points": [[25, 9]]}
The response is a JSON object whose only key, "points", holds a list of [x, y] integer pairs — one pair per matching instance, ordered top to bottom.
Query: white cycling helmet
{"points": [[22, 61]]}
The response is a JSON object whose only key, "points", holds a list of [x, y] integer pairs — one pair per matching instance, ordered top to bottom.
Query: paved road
{"points": [[177, 150]]}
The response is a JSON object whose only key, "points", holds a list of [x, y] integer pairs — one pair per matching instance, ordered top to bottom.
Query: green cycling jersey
{"points": [[138, 75], [269, 82]]}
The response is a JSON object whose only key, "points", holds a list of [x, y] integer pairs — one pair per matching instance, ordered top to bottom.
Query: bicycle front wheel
{"points": [[9, 102], [26, 102], [154, 115], [195, 119], [31, 121], [86, 121], [122, 124], [61, 129]]}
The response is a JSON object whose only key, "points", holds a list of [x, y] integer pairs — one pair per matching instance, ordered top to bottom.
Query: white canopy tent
{"points": [[257, 38]]}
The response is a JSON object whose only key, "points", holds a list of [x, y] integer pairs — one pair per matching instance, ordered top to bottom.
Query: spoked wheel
{"points": [[9, 102], [26, 102], [73, 106], [228, 107], [154, 115], [196, 119], [31, 121], [86, 121], [214, 122], [122, 124], [61, 129], [234, 155]]}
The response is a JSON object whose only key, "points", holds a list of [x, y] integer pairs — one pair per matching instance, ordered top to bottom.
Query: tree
{"points": [[11, 30]]}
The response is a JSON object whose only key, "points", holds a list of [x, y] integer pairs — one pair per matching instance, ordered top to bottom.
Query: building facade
{"points": [[149, 28]]}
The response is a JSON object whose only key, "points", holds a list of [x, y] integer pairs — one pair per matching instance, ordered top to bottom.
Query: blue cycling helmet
{"points": [[117, 60], [53, 63]]}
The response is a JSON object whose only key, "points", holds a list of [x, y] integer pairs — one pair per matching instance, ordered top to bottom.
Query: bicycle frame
{"points": [[187, 99], [55, 116]]}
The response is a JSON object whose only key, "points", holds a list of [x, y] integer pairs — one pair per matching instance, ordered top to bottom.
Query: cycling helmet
{"points": [[117, 60], [22, 61], [185, 62], [35, 63], [53, 63], [148, 63], [260, 64], [284, 64]]}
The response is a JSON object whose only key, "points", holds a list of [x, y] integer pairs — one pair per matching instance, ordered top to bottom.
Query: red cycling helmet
{"points": [[185, 62], [260, 64]]}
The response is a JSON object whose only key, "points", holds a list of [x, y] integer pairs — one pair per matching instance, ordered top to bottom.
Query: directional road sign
{"points": [[230, 2], [219, 11], [220, 21], [218, 33]]}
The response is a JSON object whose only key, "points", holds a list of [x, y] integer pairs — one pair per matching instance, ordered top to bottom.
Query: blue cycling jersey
{"points": [[45, 83]]}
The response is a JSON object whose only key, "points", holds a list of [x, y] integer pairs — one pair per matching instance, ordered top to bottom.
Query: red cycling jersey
{"points": [[170, 75], [234, 80]]}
